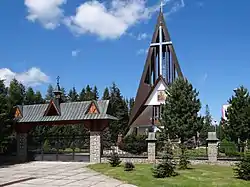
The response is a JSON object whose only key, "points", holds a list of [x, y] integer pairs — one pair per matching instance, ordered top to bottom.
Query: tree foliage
{"points": [[180, 112], [238, 115], [166, 168]]}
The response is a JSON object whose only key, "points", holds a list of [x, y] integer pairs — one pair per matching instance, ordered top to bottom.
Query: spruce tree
{"points": [[16, 93], [95, 93], [49, 94], [73, 95], [82, 95], [106, 95], [30, 96], [89, 96], [38, 98], [131, 105], [119, 109], [180, 112], [238, 116], [5, 125], [206, 126]]}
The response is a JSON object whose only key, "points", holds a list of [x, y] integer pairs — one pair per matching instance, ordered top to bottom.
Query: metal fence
{"points": [[60, 147]]}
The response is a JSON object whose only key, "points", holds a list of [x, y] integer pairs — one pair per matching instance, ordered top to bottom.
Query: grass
{"points": [[198, 175]]}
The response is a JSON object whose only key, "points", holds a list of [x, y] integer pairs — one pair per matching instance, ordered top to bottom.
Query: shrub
{"points": [[134, 144], [46, 146], [229, 148], [114, 160], [184, 162], [129, 166], [167, 166], [242, 169]]}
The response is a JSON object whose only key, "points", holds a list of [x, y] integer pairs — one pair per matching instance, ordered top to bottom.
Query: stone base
{"points": [[95, 147]]}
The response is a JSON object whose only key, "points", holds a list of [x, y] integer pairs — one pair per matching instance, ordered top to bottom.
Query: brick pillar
{"points": [[95, 146], [151, 146], [22, 149], [212, 149]]}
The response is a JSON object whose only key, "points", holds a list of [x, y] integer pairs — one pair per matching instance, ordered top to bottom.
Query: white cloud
{"points": [[175, 5], [48, 12], [108, 20], [142, 36], [142, 51], [75, 53], [33, 77]]}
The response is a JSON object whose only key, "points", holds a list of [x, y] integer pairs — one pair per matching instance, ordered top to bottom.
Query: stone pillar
{"points": [[119, 139], [95, 146], [151, 146], [22, 149], [212, 151]]}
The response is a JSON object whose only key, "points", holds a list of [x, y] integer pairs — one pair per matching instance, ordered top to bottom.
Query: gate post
{"points": [[212, 142], [95, 146], [151, 146], [22, 148]]}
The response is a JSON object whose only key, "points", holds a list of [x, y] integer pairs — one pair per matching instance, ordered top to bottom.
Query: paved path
{"points": [[47, 174]]}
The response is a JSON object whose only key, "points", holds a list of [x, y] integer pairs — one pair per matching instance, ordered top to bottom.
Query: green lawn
{"points": [[199, 175]]}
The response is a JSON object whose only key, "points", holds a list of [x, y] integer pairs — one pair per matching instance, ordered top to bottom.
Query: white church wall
{"points": [[158, 96]]}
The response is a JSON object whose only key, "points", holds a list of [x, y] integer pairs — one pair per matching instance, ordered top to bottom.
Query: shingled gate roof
{"points": [[71, 111]]}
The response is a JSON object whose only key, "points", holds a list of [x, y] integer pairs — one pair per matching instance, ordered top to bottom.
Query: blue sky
{"points": [[97, 43]]}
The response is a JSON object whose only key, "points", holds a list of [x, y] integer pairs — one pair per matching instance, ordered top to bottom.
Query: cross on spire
{"points": [[161, 6], [57, 80]]}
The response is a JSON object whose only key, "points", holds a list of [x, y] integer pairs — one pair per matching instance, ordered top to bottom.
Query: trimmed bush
{"points": [[134, 144], [114, 160], [129, 166], [242, 169]]}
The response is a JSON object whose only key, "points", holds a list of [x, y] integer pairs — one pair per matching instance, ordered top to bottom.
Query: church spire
{"points": [[161, 65]]}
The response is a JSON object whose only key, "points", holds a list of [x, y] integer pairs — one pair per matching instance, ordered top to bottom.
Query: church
{"points": [[160, 70]]}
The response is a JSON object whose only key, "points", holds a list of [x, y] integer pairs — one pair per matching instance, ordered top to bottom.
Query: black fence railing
{"points": [[66, 145]]}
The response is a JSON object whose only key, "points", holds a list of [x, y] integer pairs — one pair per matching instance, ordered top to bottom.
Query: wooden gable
{"points": [[93, 109], [51, 110], [18, 113]]}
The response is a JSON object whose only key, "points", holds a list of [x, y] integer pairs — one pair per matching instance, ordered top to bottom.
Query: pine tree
{"points": [[16, 93], [95, 93], [49, 94], [64, 95], [73, 95], [82, 95], [106, 95], [29, 96], [89, 96], [38, 98], [131, 105], [119, 109], [180, 112], [238, 115], [5, 125], [206, 126], [167, 166]]}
